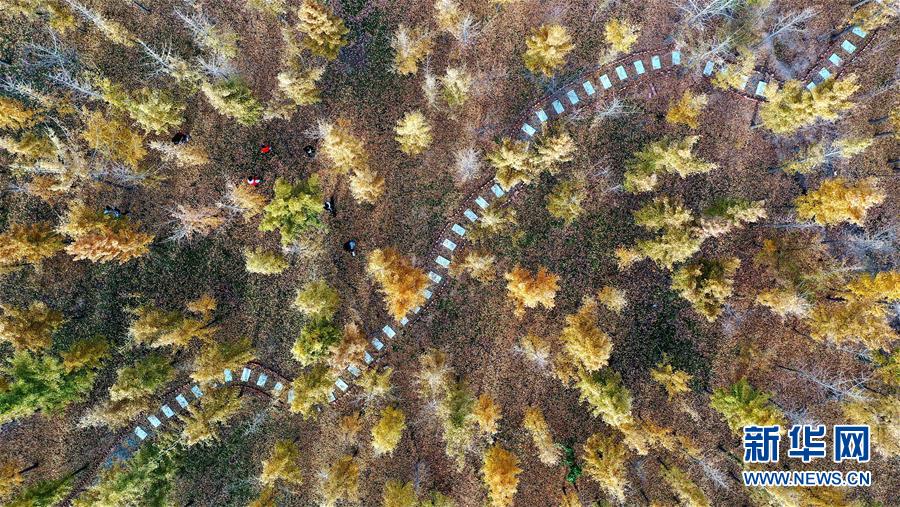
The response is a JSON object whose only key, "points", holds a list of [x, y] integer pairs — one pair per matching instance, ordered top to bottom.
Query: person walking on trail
{"points": [[180, 138], [112, 212], [350, 246]]}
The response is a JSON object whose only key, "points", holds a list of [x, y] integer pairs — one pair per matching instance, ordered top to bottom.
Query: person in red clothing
{"points": [[265, 149], [253, 181]]}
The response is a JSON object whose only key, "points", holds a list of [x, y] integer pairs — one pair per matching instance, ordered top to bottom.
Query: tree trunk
{"points": [[143, 8], [836, 34], [728, 453], [30, 468]]}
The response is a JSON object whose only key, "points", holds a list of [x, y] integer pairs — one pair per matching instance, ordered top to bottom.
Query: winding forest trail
{"points": [[621, 75]]}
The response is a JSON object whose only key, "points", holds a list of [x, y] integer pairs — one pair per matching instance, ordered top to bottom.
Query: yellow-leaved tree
{"points": [[324, 33], [621, 35], [410, 47], [547, 49], [735, 75], [298, 84], [455, 86], [233, 98], [793, 106], [687, 109], [154, 110], [14, 115], [413, 133], [113, 138], [552, 149], [347, 154], [182, 155], [666, 156], [512, 162], [366, 185], [245, 199], [565, 200], [839, 200], [101, 238], [23, 244], [264, 262], [479, 264], [401, 283], [706, 284], [527, 290], [614, 299], [317, 300], [784, 302], [861, 314], [29, 328], [158, 328], [584, 340], [349, 350], [213, 358], [434, 375], [675, 382], [375, 384], [311, 388], [608, 398], [742, 405], [487, 413], [880, 413], [203, 422], [536, 425], [386, 433], [605, 462], [282, 465], [501, 476], [340, 482], [686, 490], [399, 494]]}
